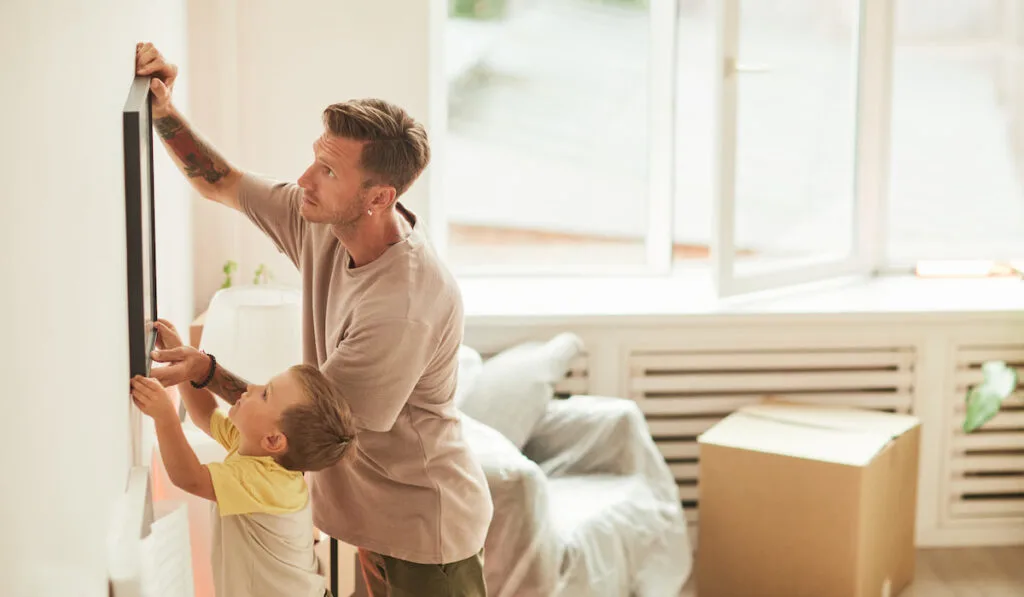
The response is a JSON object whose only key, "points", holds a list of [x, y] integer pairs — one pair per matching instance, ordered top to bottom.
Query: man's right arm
{"points": [[208, 172], [274, 208]]}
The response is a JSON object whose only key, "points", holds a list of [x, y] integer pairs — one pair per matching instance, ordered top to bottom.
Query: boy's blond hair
{"points": [[319, 430]]}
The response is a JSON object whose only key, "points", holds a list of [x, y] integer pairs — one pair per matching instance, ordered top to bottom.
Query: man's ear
{"points": [[382, 197], [276, 443]]}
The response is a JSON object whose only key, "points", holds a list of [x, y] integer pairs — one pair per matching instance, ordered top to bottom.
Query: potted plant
{"points": [[229, 268], [262, 275], [999, 380], [984, 400]]}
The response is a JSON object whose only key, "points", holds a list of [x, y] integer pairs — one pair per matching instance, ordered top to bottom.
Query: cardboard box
{"points": [[804, 501]]}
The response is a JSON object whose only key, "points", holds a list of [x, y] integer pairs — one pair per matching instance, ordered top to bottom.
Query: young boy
{"points": [[263, 523]]}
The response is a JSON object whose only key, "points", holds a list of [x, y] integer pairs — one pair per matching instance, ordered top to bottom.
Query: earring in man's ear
{"points": [[369, 212]]}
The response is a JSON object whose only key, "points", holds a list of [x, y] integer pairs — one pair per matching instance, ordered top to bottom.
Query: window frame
{"points": [[873, 83], [874, 88]]}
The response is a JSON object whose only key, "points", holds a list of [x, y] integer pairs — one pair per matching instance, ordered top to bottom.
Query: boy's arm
{"points": [[200, 405], [181, 462]]}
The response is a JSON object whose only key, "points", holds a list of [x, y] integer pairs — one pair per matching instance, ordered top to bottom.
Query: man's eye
{"points": [[329, 172], [264, 395]]}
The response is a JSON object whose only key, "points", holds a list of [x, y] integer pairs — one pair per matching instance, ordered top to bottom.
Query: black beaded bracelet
{"points": [[209, 375]]}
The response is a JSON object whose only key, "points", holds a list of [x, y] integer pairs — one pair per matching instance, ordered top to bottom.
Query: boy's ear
{"points": [[275, 443]]}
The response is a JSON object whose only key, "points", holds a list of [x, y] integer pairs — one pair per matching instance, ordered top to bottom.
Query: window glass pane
{"points": [[696, 68], [796, 129], [547, 142], [957, 153]]}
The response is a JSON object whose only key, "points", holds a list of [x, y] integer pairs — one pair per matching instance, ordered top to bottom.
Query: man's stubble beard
{"points": [[350, 218]]}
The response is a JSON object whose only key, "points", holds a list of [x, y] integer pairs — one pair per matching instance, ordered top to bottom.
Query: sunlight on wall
{"points": [[65, 368]]}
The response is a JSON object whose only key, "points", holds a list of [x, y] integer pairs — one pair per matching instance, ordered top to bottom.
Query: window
{"points": [[553, 132], [766, 142], [957, 153], [787, 198]]}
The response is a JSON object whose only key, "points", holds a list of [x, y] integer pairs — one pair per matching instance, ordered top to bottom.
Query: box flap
{"points": [[836, 417], [804, 433]]}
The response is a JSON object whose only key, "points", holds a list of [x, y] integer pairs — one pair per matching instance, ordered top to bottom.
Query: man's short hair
{"points": [[396, 149], [319, 429]]}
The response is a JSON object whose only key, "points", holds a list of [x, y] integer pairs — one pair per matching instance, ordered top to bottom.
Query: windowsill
{"points": [[508, 300]]}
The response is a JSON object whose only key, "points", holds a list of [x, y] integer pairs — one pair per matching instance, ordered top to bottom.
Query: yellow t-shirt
{"points": [[249, 484]]}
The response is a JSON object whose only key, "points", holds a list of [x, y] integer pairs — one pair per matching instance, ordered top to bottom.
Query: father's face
{"points": [[333, 185]]}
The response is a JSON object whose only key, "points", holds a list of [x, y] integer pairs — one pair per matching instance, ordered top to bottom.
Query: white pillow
{"points": [[470, 365], [512, 390]]}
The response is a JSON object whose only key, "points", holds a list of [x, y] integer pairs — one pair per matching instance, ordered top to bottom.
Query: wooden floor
{"points": [[968, 572]]}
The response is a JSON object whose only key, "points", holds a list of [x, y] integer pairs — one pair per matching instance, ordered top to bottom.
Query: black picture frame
{"points": [[140, 225]]}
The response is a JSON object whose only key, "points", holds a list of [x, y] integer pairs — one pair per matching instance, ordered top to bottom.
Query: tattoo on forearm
{"points": [[168, 126], [199, 160], [227, 385]]}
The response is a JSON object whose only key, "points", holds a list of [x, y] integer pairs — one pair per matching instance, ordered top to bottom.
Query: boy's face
{"points": [[257, 413]]}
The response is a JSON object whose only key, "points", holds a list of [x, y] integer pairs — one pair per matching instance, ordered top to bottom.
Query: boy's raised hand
{"points": [[152, 399]]}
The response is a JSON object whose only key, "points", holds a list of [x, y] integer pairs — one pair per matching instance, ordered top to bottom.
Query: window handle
{"points": [[733, 67]]}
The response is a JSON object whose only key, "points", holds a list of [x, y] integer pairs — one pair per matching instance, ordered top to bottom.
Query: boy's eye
{"points": [[264, 394]]}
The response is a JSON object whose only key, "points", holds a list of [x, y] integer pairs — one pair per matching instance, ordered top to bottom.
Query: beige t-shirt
{"points": [[387, 334]]}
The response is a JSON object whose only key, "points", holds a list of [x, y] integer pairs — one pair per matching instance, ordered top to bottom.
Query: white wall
{"points": [[269, 69], [65, 70]]}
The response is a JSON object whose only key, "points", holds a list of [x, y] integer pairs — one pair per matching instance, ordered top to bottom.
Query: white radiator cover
{"points": [[689, 372], [686, 392], [984, 471]]}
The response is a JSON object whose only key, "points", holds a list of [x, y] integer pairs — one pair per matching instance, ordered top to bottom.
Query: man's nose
{"points": [[304, 181]]}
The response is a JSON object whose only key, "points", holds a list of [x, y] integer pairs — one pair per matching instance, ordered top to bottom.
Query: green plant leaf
{"points": [[228, 269], [985, 399]]}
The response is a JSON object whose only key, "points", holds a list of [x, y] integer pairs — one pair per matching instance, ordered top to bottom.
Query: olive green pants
{"points": [[390, 577]]}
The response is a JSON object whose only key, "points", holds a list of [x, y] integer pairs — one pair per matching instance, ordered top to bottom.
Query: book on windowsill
{"points": [[969, 268]]}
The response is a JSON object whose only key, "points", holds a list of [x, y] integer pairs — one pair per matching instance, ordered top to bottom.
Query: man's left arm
{"points": [[186, 363], [377, 366], [227, 385]]}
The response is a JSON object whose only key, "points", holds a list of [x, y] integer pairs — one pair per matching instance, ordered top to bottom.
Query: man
{"points": [[382, 318]]}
